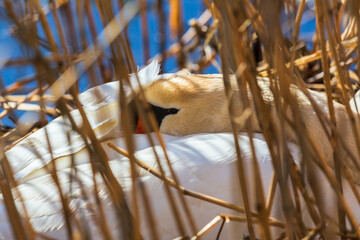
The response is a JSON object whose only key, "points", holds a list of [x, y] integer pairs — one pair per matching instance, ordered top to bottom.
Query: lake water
{"points": [[10, 47]]}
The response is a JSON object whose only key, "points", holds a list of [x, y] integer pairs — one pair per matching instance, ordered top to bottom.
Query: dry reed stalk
{"points": [[89, 12], [298, 19], [233, 22], [162, 28], [145, 31], [185, 39], [75, 57], [19, 84], [34, 98], [28, 107], [6, 112], [150, 123], [268, 130], [334, 141], [108, 174], [136, 182], [185, 191], [228, 218], [15, 220]]}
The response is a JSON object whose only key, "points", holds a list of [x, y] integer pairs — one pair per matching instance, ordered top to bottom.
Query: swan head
{"points": [[188, 104]]}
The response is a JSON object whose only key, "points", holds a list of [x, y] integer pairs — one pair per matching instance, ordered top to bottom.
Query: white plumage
{"points": [[200, 160]]}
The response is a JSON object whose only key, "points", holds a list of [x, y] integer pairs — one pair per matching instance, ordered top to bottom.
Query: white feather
{"points": [[146, 76], [104, 94], [100, 95], [355, 103], [102, 111], [34, 152], [200, 161], [203, 162]]}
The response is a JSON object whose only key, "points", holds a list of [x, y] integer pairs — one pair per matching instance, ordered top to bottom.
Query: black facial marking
{"points": [[161, 113], [134, 115]]}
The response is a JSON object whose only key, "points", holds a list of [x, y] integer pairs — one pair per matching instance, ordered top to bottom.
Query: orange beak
{"points": [[140, 127]]}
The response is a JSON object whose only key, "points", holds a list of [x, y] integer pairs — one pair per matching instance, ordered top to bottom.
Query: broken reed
{"points": [[229, 37]]}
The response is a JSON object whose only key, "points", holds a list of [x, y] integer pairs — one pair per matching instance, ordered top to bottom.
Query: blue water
{"points": [[193, 10], [10, 47]]}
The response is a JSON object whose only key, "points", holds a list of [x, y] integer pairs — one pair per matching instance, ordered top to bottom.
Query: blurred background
{"points": [[149, 35]]}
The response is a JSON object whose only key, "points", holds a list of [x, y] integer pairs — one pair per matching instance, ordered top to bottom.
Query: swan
{"points": [[191, 112]]}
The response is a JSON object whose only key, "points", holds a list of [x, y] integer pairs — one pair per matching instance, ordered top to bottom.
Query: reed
{"points": [[89, 41]]}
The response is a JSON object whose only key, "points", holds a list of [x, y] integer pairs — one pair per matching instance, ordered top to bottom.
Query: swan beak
{"points": [[140, 127]]}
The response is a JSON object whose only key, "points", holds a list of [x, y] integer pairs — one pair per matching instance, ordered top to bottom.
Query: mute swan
{"points": [[204, 158]]}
